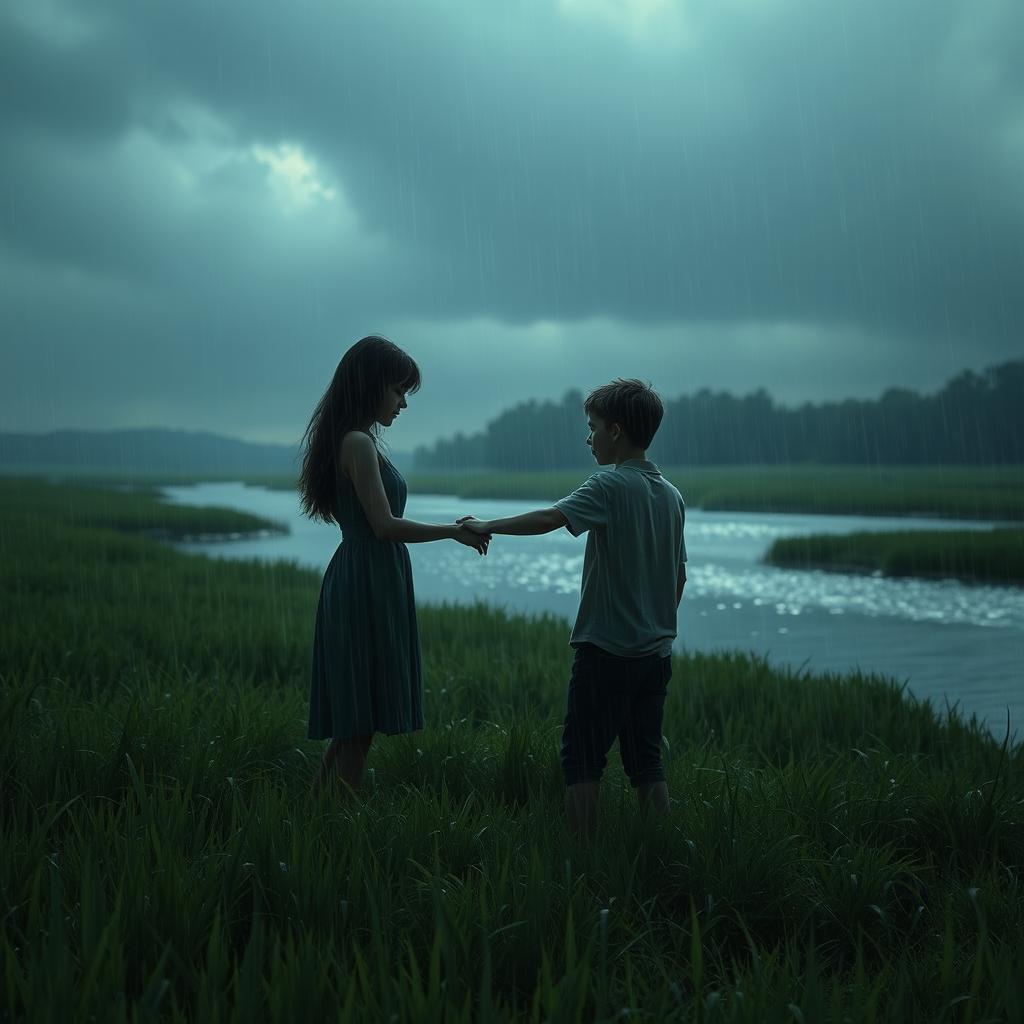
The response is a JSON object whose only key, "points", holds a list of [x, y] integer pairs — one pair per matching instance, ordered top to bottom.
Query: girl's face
{"points": [[391, 405]]}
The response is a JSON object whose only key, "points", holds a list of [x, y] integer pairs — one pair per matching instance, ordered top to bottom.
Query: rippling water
{"points": [[792, 592], [950, 642]]}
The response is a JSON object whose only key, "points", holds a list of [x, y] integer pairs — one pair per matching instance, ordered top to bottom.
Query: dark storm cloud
{"points": [[64, 86], [819, 161], [855, 167]]}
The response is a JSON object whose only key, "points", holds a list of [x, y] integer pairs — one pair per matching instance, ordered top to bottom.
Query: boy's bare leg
{"points": [[653, 796], [581, 808]]}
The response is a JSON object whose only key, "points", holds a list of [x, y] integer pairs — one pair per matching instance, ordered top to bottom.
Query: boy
{"points": [[634, 571]]}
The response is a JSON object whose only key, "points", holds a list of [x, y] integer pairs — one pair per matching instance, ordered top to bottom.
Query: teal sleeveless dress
{"points": [[367, 674]]}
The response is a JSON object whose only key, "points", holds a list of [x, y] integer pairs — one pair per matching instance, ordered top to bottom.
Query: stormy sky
{"points": [[202, 204]]}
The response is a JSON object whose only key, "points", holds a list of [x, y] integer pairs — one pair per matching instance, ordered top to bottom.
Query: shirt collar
{"points": [[644, 464]]}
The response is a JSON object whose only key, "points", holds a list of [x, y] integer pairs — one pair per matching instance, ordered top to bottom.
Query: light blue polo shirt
{"points": [[633, 559]]}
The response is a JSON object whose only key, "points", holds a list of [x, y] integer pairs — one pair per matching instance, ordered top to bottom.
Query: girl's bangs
{"points": [[409, 373]]}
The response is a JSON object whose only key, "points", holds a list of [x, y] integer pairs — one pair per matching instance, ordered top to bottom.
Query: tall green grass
{"points": [[36, 506], [989, 556], [834, 852]]}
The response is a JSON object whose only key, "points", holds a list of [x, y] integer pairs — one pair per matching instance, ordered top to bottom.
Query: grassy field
{"points": [[956, 492], [36, 507], [990, 556], [834, 852]]}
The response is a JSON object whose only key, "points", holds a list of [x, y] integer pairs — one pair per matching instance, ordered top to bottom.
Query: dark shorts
{"points": [[611, 697]]}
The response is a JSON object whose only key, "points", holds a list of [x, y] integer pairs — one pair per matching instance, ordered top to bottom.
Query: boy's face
{"points": [[601, 439]]}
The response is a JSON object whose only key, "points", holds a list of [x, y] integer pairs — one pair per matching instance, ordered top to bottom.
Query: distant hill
{"points": [[151, 452]]}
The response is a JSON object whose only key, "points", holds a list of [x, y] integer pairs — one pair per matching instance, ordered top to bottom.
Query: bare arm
{"points": [[359, 458], [542, 520], [680, 583]]}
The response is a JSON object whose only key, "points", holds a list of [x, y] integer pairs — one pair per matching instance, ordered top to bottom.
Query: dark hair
{"points": [[366, 371], [635, 406]]}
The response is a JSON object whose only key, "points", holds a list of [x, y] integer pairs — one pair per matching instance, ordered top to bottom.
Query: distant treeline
{"points": [[974, 419]]}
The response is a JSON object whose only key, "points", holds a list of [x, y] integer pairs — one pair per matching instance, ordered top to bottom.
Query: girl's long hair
{"points": [[366, 371]]}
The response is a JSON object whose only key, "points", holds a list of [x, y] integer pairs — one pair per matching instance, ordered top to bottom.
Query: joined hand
{"points": [[474, 524], [473, 534]]}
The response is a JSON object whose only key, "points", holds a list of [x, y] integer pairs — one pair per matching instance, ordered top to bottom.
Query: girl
{"points": [[366, 651]]}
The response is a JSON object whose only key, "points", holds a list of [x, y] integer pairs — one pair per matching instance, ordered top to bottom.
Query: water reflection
{"points": [[788, 592], [791, 592]]}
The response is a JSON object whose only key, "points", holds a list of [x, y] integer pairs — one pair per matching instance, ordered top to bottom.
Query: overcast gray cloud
{"points": [[205, 204]]}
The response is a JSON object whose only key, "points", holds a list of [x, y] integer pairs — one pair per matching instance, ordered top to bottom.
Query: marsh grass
{"points": [[951, 492], [955, 492], [36, 506], [990, 556], [835, 851]]}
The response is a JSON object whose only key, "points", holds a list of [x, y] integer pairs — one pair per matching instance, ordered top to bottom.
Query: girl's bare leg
{"points": [[344, 759], [351, 760], [325, 768]]}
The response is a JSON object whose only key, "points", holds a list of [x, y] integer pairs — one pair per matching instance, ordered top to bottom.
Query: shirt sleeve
{"points": [[586, 507]]}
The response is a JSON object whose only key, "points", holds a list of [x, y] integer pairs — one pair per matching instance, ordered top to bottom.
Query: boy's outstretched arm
{"points": [[543, 520]]}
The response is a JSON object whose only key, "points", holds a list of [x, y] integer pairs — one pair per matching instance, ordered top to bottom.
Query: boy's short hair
{"points": [[633, 404]]}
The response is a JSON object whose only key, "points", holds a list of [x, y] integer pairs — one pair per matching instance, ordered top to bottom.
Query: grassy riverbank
{"points": [[954, 492], [39, 508], [991, 556], [833, 847]]}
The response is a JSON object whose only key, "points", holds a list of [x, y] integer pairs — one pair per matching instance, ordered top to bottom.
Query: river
{"points": [[949, 642]]}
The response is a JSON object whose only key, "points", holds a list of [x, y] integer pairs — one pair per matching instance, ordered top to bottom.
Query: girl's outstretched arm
{"points": [[359, 458], [542, 520]]}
